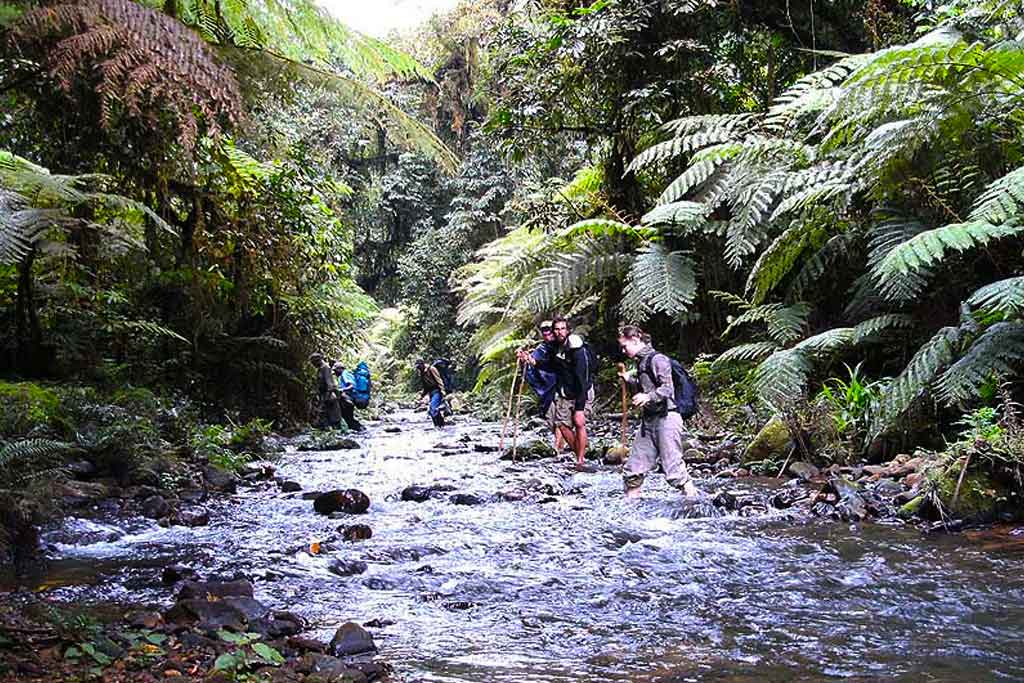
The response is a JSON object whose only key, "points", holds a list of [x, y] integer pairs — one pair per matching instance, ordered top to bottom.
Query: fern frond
{"points": [[698, 173], [1001, 201], [683, 215], [747, 229], [929, 248], [836, 249], [777, 261], [570, 272], [659, 281], [1005, 296], [785, 323], [998, 352], [746, 353], [780, 379], [916, 379], [36, 450]]}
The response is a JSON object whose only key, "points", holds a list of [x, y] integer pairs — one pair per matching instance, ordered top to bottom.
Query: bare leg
{"points": [[568, 436], [559, 441], [581, 444]]}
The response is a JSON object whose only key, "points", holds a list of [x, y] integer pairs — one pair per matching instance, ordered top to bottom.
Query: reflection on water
{"points": [[574, 583]]}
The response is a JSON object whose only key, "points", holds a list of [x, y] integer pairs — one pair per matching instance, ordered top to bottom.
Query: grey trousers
{"points": [[660, 439]]}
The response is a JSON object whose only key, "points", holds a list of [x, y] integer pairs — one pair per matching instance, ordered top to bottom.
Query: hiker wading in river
{"points": [[573, 365], [432, 387], [329, 414], [661, 426]]}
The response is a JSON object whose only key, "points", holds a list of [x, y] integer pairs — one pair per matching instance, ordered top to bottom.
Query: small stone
{"points": [[81, 469], [804, 470], [219, 480], [288, 486], [465, 499], [194, 518], [356, 532], [347, 567], [178, 572], [217, 589], [352, 639]]}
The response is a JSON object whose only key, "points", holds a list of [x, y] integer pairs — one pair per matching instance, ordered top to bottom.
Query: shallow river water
{"points": [[581, 585]]}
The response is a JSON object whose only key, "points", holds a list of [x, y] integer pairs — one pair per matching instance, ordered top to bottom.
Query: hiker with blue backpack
{"points": [[346, 386], [434, 386], [666, 396]]}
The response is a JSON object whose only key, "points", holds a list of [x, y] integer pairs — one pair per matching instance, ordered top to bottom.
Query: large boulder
{"points": [[772, 442], [530, 449], [220, 480], [420, 494], [351, 501], [217, 590], [208, 615], [352, 639]]}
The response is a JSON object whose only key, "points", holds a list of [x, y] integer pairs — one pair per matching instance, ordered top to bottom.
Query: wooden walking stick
{"points": [[519, 404], [508, 410], [618, 454]]}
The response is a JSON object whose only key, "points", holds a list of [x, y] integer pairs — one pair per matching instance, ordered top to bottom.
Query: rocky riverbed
{"points": [[429, 555]]}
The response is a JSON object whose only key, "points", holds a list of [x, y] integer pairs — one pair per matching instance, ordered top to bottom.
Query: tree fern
{"points": [[1002, 201], [683, 216], [929, 248], [835, 250], [777, 261], [570, 272], [659, 281], [1004, 296], [752, 352], [998, 352], [916, 379], [32, 450]]}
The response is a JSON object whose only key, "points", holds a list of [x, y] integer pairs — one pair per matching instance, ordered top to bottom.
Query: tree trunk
{"points": [[29, 335]]}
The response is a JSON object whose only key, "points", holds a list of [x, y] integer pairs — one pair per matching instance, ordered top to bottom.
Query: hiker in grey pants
{"points": [[661, 426]]}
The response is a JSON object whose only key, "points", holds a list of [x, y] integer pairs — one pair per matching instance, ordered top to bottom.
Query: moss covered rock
{"points": [[772, 442], [979, 499]]}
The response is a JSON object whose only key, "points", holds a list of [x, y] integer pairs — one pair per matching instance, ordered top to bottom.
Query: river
{"points": [[574, 583]]}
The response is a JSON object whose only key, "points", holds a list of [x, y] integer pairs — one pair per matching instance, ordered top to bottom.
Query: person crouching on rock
{"points": [[432, 386], [661, 425]]}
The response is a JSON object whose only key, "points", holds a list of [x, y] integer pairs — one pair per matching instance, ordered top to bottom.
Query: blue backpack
{"points": [[444, 368], [361, 385], [685, 388]]}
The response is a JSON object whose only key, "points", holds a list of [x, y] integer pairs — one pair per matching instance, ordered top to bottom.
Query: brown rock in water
{"points": [[351, 501], [356, 532], [215, 589], [352, 639]]}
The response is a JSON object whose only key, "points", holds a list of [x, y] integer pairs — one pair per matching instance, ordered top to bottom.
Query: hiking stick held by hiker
{"points": [[519, 404], [508, 409], [620, 452]]}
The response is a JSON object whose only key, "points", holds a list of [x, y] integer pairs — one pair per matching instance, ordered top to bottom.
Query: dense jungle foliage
{"points": [[817, 205]]}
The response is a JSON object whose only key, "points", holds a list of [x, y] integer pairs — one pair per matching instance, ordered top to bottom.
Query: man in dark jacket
{"points": [[543, 381], [432, 385], [574, 388], [329, 416], [661, 426]]}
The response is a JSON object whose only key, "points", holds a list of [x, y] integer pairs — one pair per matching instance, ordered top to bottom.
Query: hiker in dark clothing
{"points": [[543, 381], [345, 382], [433, 386], [574, 388], [329, 416]]}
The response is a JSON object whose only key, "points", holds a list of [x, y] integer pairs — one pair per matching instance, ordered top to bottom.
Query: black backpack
{"points": [[444, 368], [685, 388]]}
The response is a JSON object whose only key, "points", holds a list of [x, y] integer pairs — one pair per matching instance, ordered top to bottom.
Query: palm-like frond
{"points": [[570, 272], [659, 281], [1005, 296], [998, 352], [746, 353], [916, 379]]}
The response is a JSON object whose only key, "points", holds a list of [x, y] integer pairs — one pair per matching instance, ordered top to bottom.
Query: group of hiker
{"points": [[561, 370], [340, 391]]}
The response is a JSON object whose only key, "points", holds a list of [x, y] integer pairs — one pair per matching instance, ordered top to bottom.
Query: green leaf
{"points": [[267, 653], [229, 661]]}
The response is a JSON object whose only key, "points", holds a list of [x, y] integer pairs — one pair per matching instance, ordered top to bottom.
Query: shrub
{"points": [[26, 407]]}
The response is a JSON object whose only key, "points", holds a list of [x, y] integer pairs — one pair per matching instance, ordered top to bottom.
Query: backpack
{"points": [[592, 361], [444, 368], [361, 385], [685, 388]]}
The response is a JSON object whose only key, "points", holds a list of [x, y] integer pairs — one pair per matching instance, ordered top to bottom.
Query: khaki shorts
{"points": [[561, 410], [660, 439]]}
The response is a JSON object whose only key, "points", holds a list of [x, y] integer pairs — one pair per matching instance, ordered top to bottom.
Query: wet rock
{"points": [[771, 442], [331, 443], [484, 448], [534, 449], [615, 455], [81, 469], [804, 470], [257, 471], [219, 480], [288, 486], [887, 488], [76, 494], [419, 494], [192, 496], [513, 496], [787, 498], [465, 499], [727, 500], [350, 501], [155, 507], [696, 507], [194, 518], [356, 532], [347, 567], [178, 572], [379, 583], [216, 589], [459, 605], [250, 607], [207, 615], [144, 619], [379, 623], [351, 639], [303, 644], [328, 669], [373, 670]]}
